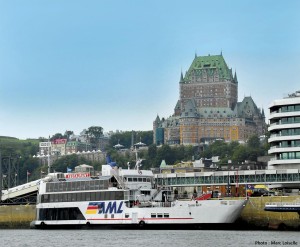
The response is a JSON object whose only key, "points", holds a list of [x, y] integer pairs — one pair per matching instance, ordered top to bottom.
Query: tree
{"points": [[68, 133], [94, 133], [57, 136], [123, 138], [253, 142], [152, 151], [165, 152], [240, 154], [69, 161]]}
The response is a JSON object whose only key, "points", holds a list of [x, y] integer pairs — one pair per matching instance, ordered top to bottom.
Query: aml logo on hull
{"points": [[104, 208]]}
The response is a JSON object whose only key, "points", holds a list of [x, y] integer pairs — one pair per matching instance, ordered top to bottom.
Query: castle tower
{"points": [[210, 82]]}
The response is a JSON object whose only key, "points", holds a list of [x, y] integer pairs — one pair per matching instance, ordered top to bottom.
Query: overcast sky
{"points": [[69, 65]]}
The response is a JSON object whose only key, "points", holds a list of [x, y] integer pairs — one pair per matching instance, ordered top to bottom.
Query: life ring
{"points": [[140, 172]]}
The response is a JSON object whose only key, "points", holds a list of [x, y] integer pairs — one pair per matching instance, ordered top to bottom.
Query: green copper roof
{"points": [[209, 63]]}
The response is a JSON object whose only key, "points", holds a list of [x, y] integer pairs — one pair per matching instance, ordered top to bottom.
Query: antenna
{"points": [[49, 163]]}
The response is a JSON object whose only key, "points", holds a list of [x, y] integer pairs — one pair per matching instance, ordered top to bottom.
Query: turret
{"points": [[181, 78]]}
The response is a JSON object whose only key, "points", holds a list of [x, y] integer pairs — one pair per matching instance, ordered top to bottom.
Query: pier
{"points": [[236, 181]]}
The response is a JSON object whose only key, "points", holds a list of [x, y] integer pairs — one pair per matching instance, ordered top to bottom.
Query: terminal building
{"points": [[208, 107], [285, 133]]}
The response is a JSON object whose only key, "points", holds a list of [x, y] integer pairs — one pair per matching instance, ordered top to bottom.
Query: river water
{"points": [[138, 238]]}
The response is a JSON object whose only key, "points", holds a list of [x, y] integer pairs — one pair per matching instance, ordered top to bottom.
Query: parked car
{"points": [[262, 192]]}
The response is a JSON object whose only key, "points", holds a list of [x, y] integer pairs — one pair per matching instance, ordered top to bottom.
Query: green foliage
{"points": [[95, 132], [68, 133], [57, 136], [124, 138], [253, 142], [14, 146], [25, 149], [235, 151], [240, 154], [70, 161], [31, 165]]}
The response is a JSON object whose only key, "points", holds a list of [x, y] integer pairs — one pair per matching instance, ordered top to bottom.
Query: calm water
{"points": [[134, 238]]}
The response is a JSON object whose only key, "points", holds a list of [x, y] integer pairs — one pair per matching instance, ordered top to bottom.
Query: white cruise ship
{"points": [[124, 198]]}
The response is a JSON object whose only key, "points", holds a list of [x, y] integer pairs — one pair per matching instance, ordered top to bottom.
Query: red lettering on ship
{"points": [[77, 175]]}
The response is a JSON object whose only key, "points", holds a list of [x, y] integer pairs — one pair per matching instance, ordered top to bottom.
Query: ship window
{"points": [[129, 179], [134, 179], [140, 179], [144, 179], [92, 184], [103, 184], [77, 185], [81, 185], [60, 186], [69, 186], [50, 187], [56, 187], [146, 192], [119, 195], [82, 196], [87, 196], [93, 196], [98, 196], [105, 196], [58, 197], [65, 197], [73, 197], [45, 198], [60, 214], [126, 215], [153, 215], [159, 215], [105, 216], [112, 216], [166, 216]]}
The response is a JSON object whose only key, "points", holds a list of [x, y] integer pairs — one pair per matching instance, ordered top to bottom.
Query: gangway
{"points": [[21, 194]]}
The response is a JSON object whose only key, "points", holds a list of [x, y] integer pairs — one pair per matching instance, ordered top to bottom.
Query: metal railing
{"points": [[118, 178]]}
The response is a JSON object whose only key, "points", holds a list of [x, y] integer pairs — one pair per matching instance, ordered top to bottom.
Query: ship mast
{"points": [[49, 165]]}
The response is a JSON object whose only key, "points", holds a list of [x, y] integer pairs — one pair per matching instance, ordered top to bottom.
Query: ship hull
{"points": [[209, 214], [212, 226]]}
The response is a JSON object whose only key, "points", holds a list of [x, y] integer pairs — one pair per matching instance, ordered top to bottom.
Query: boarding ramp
{"points": [[21, 194]]}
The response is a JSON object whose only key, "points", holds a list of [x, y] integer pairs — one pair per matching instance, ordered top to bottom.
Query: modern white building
{"points": [[285, 133]]}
